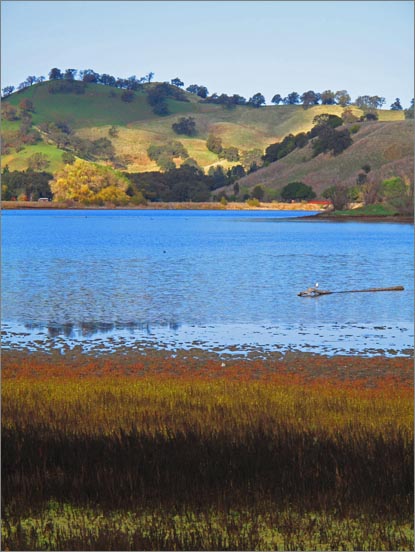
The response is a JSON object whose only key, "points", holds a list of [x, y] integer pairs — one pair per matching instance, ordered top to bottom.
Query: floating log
{"points": [[314, 292]]}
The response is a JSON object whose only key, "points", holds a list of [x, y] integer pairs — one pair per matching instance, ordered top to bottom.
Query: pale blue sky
{"points": [[239, 47]]}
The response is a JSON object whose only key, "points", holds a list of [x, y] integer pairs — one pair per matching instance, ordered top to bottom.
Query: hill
{"points": [[91, 115], [387, 147]]}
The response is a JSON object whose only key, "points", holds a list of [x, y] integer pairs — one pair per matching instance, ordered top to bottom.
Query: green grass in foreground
{"points": [[65, 527]]}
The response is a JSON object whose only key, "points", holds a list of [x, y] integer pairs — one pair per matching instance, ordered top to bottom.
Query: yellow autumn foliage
{"points": [[89, 183]]}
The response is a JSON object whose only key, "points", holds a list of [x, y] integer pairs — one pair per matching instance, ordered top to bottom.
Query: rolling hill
{"points": [[387, 144], [387, 147]]}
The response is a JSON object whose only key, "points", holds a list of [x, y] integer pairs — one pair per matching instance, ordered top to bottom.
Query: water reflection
{"points": [[91, 328]]}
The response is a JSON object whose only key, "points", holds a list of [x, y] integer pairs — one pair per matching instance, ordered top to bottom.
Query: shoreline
{"points": [[187, 205], [321, 214], [328, 217]]}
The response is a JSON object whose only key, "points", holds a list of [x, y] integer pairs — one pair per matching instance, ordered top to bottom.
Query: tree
{"points": [[55, 74], [70, 74], [89, 75], [149, 77], [31, 80], [107, 80], [177, 82], [7, 91], [200, 91], [203, 92], [328, 97], [292, 98], [310, 98], [342, 98], [277, 99], [257, 100], [369, 102], [396, 105], [409, 113], [326, 119], [185, 125], [332, 140], [214, 143], [102, 148], [230, 154], [251, 159], [38, 161], [218, 177], [27, 183], [89, 183], [392, 188], [297, 190], [370, 192], [258, 193], [399, 193], [338, 195]]}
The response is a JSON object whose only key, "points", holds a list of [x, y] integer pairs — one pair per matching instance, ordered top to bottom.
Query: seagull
{"points": [[316, 285]]}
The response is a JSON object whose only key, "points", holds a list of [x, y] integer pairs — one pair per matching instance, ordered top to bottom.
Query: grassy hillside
{"points": [[92, 114], [388, 147]]}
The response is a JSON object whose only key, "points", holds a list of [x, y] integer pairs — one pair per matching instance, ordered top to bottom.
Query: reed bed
{"points": [[95, 460]]}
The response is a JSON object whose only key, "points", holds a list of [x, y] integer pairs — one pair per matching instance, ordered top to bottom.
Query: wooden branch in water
{"points": [[314, 292]]}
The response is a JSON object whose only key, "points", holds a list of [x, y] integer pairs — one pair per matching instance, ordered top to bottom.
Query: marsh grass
{"points": [[109, 462], [262, 527]]}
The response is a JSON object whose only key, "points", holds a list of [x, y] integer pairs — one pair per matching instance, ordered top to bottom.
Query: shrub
{"points": [[185, 125], [214, 143], [297, 190], [253, 202]]}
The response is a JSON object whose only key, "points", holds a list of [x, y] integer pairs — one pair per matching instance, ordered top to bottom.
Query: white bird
{"points": [[316, 285]]}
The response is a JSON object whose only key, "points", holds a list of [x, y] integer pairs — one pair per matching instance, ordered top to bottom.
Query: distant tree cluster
{"points": [[77, 77], [200, 91], [158, 95], [310, 98], [225, 100], [185, 125], [61, 134], [26, 135], [323, 135], [277, 151], [163, 154], [187, 183], [25, 185], [395, 192]]}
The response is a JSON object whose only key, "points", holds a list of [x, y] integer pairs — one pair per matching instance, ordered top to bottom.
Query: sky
{"points": [[242, 47]]}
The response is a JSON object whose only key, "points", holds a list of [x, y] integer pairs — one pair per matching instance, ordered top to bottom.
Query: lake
{"points": [[225, 281]]}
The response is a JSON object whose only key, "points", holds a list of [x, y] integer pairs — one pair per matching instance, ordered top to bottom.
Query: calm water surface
{"points": [[226, 281]]}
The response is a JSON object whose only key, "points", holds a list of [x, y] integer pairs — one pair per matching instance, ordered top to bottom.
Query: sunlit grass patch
{"points": [[260, 527]]}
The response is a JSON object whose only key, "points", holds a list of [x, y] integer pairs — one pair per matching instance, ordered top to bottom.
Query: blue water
{"points": [[211, 279]]}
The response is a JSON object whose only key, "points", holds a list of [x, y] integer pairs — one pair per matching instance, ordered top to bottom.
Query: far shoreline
{"points": [[188, 205], [320, 213]]}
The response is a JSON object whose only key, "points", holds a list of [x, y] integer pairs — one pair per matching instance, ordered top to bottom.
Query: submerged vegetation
{"points": [[163, 454]]}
